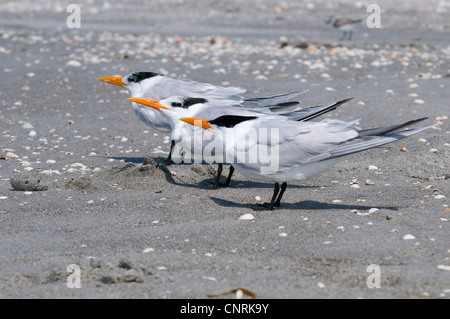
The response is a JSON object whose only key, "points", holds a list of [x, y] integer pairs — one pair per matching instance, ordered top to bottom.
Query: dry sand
{"points": [[144, 231]]}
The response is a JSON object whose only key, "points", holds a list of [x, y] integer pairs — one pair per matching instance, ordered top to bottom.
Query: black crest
{"points": [[137, 77], [193, 100], [189, 101], [231, 120]]}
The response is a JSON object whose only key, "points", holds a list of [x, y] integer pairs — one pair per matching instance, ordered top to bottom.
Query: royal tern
{"points": [[345, 25], [157, 86], [177, 107], [298, 150]]}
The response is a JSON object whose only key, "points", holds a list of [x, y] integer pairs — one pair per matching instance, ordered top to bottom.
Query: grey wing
{"points": [[341, 22], [177, 87], [273, 102], [215, 112], [298, 142], [364, 142]]}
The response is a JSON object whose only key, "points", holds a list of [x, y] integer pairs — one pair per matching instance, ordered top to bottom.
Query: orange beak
{"points": [[116, 80], [148, 102], [197, 122]]}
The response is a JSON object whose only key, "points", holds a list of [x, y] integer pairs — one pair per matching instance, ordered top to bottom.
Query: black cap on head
{"points": [[137, 77], [185, 103], [231, 120]]}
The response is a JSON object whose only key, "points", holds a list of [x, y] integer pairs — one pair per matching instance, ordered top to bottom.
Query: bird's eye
{"points": [[176, 104]]}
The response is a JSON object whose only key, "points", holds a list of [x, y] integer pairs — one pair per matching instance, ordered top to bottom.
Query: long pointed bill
{"points": [[116, 80], [148, 102], [197, 122]]}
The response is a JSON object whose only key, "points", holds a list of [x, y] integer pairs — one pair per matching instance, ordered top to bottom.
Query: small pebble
{"points": [[419, 101], [372, 168], [27, 184], [439, 197], [408, 237]]}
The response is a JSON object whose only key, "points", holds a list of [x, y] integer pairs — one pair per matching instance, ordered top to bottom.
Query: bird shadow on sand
{"points": [[136, 159], [206, 183], [239, 184], [303, 205]]}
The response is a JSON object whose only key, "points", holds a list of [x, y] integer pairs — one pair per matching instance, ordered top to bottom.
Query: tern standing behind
{"points": [[345, 25], [154, 85]]}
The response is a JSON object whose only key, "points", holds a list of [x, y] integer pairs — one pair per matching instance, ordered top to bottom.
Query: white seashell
{"points": [[73, 63], [27, 126], [11, 155], [370, 182], [247, 217], [408, 237], [443, 267]]}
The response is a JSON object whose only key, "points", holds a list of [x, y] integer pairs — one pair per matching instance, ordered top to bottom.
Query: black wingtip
{"points": [[332, 107]]}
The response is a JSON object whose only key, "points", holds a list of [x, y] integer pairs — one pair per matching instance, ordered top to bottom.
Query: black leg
{"points": [[350, 33], [169, 158], [219, 174], [227, 183], [283, 189], [275, 193]]}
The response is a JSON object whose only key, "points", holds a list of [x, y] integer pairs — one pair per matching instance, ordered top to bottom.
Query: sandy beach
{"points": [[82, 180]]}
